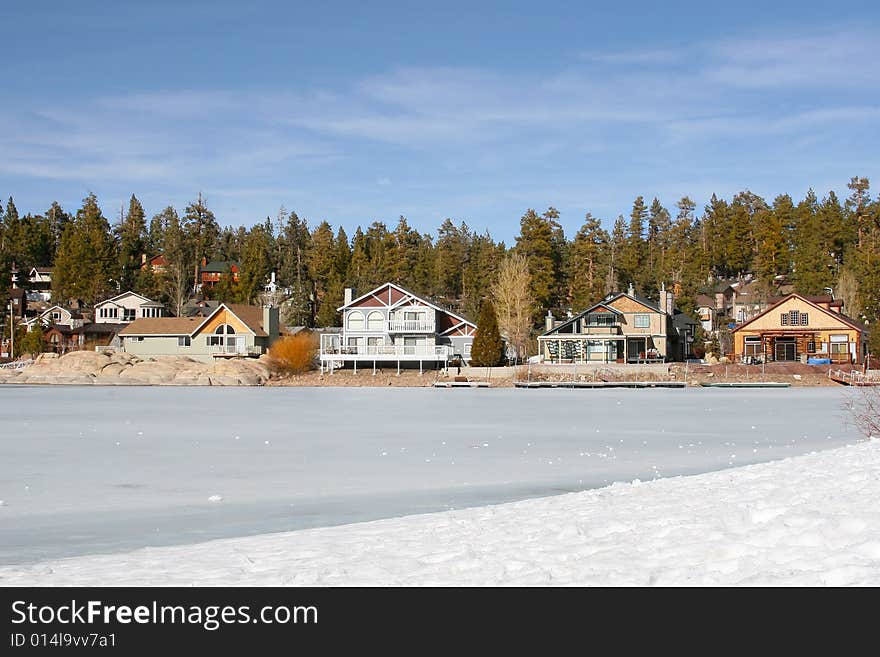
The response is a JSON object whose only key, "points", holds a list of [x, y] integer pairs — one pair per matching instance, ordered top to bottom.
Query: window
{"points": [[128, 314], [56, 316], [412, 316], [794, 318], [600, 319], [783, 319], [805, 319], [355, 321], [375, 321], [643, 321], [136, 338], [183, 341], [375, 342], [752, 345], [811, 347], [467, 349]]}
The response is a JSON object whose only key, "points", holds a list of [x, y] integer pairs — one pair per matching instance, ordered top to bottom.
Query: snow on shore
{"points": [[806, 520]]}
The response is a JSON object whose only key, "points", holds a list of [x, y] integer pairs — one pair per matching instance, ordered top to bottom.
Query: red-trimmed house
{"points": [[393, 325]]}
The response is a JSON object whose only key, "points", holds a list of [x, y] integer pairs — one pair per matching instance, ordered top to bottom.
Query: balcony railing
{"points": [[411, 326], [237, 348], [412, 351]]}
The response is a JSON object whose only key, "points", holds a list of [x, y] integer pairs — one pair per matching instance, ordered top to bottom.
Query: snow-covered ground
{"points": [[103, 470], [807, 520]]}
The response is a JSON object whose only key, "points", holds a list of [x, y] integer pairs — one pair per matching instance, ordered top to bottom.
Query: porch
{"points": [[789, 346], [334, 354]]}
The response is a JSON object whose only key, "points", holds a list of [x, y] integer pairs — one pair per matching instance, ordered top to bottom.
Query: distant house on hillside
{"points": [[156, 264], [211, 272], [38, 283], [127, 307], [393, 325], [623, 327], [798, 327], [231, 330]]}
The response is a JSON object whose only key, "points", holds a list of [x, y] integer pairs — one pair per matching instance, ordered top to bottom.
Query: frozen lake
{"points": [[86, 470]]}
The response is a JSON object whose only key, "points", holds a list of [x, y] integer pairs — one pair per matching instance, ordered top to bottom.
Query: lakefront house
{"points": [[391, 325], [622, 328], [801, 328], [231, 330]]}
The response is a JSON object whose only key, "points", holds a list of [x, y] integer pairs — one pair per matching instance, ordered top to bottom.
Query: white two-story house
{"points": [[127, 307], [391, 325]]}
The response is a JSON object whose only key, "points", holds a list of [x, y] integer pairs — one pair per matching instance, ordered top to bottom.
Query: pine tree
{"points": [[203, 232], [132, 236], [539, 243], [178, 251], [450, 253], [811, 256], [86, 262], [632, 262], [256, 263], [588, 266], [488, 348]]}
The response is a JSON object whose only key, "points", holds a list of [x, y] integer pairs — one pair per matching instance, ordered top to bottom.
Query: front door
{"points": [[786, 350]]}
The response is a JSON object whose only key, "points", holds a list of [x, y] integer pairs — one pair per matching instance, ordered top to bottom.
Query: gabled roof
{"points": [[220, 267], [406, 293], [119, 296], [634, 297], [838, 316], [571, 320]]}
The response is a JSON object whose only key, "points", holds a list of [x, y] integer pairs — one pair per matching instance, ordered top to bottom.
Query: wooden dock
{"points": [[462, 384], [600, 384], [747, 384]]}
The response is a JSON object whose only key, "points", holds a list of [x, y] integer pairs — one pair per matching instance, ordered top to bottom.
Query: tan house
{"points": [[621, 328], [800, 328], [232, 330]]}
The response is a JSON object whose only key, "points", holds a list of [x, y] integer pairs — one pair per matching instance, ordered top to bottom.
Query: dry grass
{"points": [[294, 354]]}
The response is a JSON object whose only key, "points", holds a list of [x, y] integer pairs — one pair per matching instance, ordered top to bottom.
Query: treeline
{"points": [[815, 242]]}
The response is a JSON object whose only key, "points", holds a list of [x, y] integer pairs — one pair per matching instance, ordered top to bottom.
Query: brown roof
{"points": [[836, 315], [252, 316], [162, 326]]}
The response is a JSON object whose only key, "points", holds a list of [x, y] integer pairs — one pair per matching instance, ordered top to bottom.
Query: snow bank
{"points": [[807, 520]]}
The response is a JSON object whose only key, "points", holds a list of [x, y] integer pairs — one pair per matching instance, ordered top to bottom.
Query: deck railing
{"points": [[411, 326], [432, 351]]}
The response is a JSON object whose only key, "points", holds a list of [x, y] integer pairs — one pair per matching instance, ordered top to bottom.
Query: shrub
{"points": [[294, 354]]}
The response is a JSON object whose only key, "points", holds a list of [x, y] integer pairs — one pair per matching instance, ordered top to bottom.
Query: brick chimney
{"points": [[349, 295]]}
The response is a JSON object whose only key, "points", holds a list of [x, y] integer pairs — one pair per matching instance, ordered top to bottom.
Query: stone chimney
{"points": [[631, 291], [349, 295], [549, 321], [270, 322]]}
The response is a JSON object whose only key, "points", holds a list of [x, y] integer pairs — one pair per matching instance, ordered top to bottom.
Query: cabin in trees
{"points": [[155, 264], [211, 272], [127, 307], [393, 325], [621, 328], [798, 328], [231, 330]]}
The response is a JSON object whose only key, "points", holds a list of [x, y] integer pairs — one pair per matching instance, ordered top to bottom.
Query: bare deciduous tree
{"points": [[513, 302], [866, 411]]}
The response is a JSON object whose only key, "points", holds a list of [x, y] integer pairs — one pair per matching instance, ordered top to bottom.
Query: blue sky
{"points": [[355, 112]]}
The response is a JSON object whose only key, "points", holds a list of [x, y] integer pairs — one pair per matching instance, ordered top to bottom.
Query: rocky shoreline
{"points": [[120, 369]]}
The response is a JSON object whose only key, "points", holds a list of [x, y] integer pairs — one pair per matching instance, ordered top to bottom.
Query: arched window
{"points": [[355, 321], [375, 321], [225, 329], [218, 339]]}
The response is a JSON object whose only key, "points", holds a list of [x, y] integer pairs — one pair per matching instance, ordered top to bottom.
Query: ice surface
{"points": [[88, 470]]}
